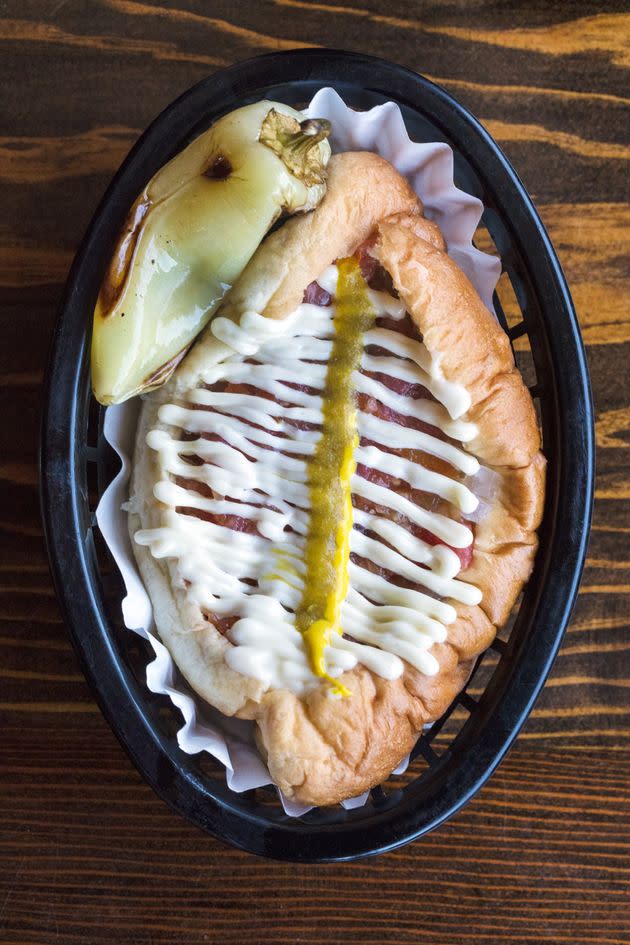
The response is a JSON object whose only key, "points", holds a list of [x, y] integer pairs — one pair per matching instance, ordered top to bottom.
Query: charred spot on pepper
{"points": [[220, 168], [120, 263], [164, 372]]}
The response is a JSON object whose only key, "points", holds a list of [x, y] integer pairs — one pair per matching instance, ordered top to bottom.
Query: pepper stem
{"points": [[296, 144]]}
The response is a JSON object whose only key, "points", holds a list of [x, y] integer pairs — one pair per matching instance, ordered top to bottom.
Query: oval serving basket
{"points": [[458, 753]]}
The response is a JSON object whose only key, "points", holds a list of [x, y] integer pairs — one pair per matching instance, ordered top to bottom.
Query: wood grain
{"points": [[88, 852]]}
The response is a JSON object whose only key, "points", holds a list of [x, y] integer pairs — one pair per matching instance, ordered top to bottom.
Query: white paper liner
{"points": [[429, 170]]}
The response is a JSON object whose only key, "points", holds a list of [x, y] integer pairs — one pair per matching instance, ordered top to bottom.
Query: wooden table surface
{"points": [[89, 853]]}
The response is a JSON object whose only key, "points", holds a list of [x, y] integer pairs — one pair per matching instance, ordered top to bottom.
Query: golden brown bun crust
{"points": [[363, 189], [472, 349], [321, 750], [321, 756]]}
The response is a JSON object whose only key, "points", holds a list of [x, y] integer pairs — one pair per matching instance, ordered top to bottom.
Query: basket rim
{"points": [[116, 691]]}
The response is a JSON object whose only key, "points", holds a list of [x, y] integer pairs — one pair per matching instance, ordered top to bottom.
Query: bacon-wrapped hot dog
{"points": [[335, 499]]}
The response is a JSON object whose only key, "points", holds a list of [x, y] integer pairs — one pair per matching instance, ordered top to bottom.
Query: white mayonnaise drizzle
{"points": [[257, 470]]}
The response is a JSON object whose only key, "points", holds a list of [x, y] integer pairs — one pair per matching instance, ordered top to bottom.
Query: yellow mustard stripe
{"points": [[330, 472]]}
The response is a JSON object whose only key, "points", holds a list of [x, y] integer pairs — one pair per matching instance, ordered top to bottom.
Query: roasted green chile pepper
{"points": [[190, 234]]}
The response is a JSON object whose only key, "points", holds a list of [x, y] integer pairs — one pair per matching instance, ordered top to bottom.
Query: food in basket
{"points": [[190, 234], [335, 498]]}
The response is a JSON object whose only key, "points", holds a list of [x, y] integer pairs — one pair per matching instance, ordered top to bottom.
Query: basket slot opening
{"points": [[491, 235], [482, 239], [506, 298], [510, 298], [511, 308], [498, 310], [517, 331], [93, 433], [91, 463], [504, 633], [138, 653], [482, 674], [467, 701], [445, 729], [423, 747], [213, 770], [414, 771], [378, 796], [249, 798], [264, 800]]}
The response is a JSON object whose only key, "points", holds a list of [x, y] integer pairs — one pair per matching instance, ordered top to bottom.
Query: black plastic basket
{"points": [[458, 753]]}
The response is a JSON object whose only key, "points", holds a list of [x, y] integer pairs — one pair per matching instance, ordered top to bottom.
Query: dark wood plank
{"points": [[89, 854], [108, 862]]}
